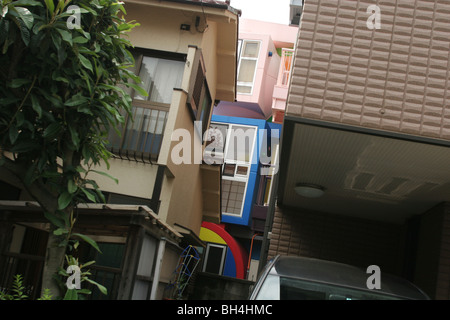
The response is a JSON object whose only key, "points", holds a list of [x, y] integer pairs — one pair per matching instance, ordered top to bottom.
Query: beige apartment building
{"points": [[185, 54], [365, 152]]}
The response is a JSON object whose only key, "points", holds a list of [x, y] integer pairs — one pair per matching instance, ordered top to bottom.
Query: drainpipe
{"points": [[157, 189], [250, 254], [156, 275]]}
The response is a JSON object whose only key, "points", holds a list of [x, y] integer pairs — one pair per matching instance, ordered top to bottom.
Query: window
{"points": [[248, 61], [159, 76], [199, 96], [142, 134], [215, 143], [240, 144], [232, 146], [264, 189], [233, 195], [214, 258], [107, 268], [145, 271], [284, 288]]}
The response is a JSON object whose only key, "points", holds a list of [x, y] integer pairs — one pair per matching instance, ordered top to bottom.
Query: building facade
{"points": [[185, 53], [249, 138], [364, 175]]}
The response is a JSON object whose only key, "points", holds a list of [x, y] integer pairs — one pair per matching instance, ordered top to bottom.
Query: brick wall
{"points": [[344, 239]]}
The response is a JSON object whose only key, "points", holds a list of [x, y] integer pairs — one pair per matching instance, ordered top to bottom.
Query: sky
{"points": [[265, 10]]}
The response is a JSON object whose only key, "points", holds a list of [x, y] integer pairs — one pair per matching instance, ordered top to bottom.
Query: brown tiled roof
{"points": [[211, 3]]}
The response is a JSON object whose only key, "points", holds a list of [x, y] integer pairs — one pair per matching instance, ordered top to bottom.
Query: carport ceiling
{"points": [[365, 175]]}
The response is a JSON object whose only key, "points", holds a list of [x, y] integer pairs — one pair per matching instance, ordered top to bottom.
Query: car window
{"points": [[296, 289]]}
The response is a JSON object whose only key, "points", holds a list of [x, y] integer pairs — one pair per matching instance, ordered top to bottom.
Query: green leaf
{"points": [[32, 3], [50, 6], [26, 16], [25, 34], [66, 35], [80, 40], [85, 62], [17, 83], [141, 91], [76, 101], [36, 106], [52, 131], [13, 134], [75, 137], [80, 169], [106, 175], [71, 186], [89, 195], [100, 195], [64, 199], [55, 219], [60, 231], [88, 240], [87, 264], [99, 286], [84, 291], [71, 294]]}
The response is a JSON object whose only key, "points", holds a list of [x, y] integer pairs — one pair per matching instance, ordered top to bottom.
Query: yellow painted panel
{"points": [[210, 236]]}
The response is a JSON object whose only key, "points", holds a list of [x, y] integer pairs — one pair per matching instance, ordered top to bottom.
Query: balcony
{"points": [[280, 91], [141, 138]]}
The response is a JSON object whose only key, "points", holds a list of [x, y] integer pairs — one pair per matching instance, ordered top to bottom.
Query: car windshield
{"points": [[283, 288]]}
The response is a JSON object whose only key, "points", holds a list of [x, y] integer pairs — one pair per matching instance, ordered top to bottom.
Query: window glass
{"points": [[251, 49], [248, 59], [247, 71], [159, 77], [142, 134], [215, 143], [240, 144], [233, 193], [215, 255], [296, 289]]}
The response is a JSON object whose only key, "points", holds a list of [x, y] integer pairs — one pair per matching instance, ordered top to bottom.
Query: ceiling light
{"points": [[309, 190]]}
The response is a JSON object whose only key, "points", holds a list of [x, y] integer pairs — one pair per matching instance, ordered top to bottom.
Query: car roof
{"points": [[341, 274]]}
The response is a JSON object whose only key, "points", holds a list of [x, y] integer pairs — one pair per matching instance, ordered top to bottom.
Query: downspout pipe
{"points": [[157, 274]]}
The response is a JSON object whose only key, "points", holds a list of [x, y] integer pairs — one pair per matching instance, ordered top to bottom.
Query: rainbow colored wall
{"points": [[236, 255]]}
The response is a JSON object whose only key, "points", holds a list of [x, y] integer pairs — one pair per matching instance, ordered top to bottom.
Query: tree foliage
{"points": [[63, 68]]}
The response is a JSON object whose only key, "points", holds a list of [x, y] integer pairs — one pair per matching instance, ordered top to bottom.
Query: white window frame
{"points": [[241, 46], [237, 163], [222, 260]]}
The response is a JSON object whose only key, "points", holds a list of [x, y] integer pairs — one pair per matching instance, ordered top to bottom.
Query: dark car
{"points": [[300, 278]]}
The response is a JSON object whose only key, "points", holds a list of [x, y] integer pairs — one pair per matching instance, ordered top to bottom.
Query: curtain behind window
{"points": [[159, 77]]}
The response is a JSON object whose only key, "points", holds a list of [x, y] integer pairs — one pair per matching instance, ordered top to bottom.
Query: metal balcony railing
{"points": [[287, 57], [142, 134]]}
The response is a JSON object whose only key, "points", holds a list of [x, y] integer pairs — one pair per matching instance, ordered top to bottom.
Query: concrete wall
{"points": [[209, 286]]}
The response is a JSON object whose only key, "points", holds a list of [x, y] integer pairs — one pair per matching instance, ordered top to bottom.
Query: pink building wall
{"points": [[258, 105]]}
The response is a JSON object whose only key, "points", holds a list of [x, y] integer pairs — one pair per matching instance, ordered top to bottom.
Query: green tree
{"points": [[63, 67]]}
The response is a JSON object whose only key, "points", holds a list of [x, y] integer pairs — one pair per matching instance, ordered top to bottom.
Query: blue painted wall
{"points": [[253, 178]]}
